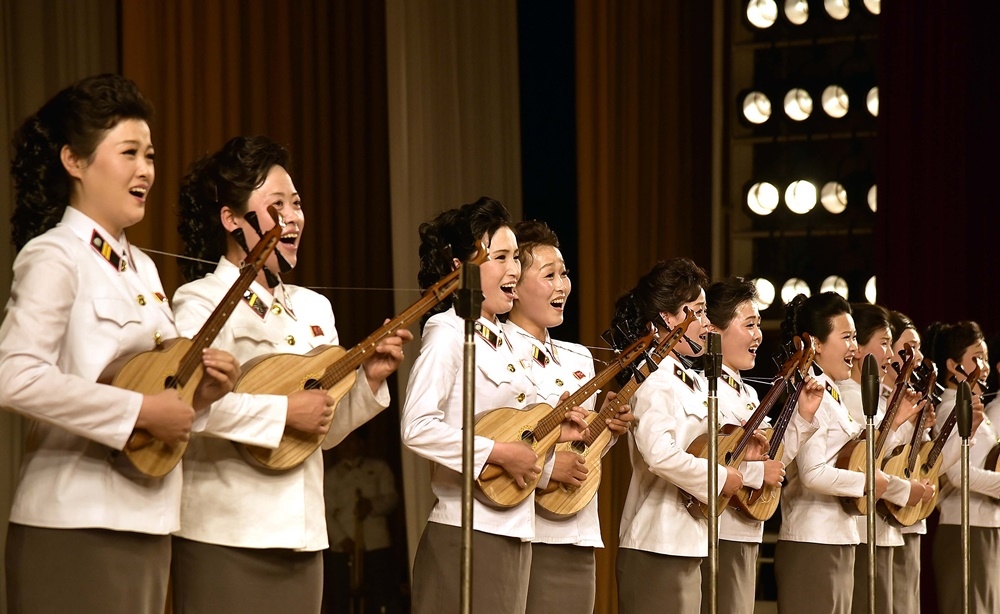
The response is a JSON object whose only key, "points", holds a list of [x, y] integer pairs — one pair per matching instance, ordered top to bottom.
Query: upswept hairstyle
{"points": [[79, 116], [223, 179], [456, 233], [531, 234], [665, 288], [724, 298], [813, 315], [868, 320], [943, 341]]}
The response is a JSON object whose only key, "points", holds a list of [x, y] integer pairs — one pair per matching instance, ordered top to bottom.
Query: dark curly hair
{"points": [[79, 116], [223, 179], [456, 233], [531, 234], [665, 288], [723, 298], [813, 315], [868, 320], [899, 323], [943, 341]]}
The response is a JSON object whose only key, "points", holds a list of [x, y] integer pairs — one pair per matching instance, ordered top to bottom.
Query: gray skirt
{"points": [[984, 563], [500, 569], [85, 570], [906, 576], [814, 577], [563, 578], [737, 578], [209, 579], [651, 583], [884, 591]]}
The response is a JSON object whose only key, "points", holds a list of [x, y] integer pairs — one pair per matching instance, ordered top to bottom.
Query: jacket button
{"points": [[140, 299], [276, 309], [290, 339], [510, 368], [559, 382], [520, 398]]}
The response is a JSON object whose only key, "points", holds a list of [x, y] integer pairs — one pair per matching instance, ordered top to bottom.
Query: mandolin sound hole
{"points": [[169, 382], [312, 384], [528, 436], [579, 447], [729, 457], [906, 473]]}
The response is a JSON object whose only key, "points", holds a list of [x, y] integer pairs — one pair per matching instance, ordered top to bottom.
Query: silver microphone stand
{"points": [[467, 305], [713, 370], [869, 402], [963, 405]]}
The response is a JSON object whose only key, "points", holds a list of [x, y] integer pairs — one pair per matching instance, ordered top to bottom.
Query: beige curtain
{"points": [[45, 45], [454, 135]]}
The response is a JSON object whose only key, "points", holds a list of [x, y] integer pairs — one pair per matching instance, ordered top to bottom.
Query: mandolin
{"points": [[177, 363], [330, 368], [538, 426], [734, 439], [854, 455], [903, 460], [562, 500], [761, 503]]}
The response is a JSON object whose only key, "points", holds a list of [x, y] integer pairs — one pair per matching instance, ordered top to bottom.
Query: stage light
{"points": [[874, 6], [837, 9], [797, 11], [762, 13], [872, 101], [835, 102], [798, 104], [756, 107], [800, 196], [833, 197], [762, 198], [873, 198], [834, 283], [792, 288], [870, 290], [765, 293]]}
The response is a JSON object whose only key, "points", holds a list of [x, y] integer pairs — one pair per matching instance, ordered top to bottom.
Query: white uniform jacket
{"points": [[72, 311], [556, 367], [670, 413], [432, 416], [984, 485], [899, 488], [226, 500], [810, 509]]}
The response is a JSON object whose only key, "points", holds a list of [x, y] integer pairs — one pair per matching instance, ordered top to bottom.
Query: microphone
{"points": [[713, 357], [869, 386], [963, 407]]}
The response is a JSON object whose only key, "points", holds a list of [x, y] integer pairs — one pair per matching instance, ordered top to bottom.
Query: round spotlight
{"points": [[874, 6], [837, 9], [797, 11], [762, 13], [835, 101], [872, 101], [798, 104], [756, 107], [800, 196], [833, 197], [762, 198], [873, 198], [834, 283], [792, 288], [870, 290], [765, 293]]}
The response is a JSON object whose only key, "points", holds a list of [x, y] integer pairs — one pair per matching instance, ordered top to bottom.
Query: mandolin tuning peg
{"points": [[251, 218], [240, 237], [271, 278], [650, 363], [897, 368]]}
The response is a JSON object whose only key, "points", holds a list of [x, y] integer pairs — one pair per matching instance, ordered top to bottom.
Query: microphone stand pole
{"points": [[468, 305], [713, 370], [869, 402], [963, 405]]}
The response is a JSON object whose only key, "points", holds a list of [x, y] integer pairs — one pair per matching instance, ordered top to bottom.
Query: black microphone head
{"points": [[714, 343], [713, 356], [869, 386], [963, 405]]}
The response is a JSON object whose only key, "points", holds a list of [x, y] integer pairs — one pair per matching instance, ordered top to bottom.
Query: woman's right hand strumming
{"points": [[310, 411], [166, 416], [517, 459], [734, 481]]}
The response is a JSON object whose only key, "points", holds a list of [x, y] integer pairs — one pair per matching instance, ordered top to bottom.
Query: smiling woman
{"points": [[82, 297]]}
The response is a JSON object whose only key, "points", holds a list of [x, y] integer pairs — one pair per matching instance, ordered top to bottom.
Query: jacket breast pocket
{"points": [[115, 311], [255, 340], [498, 369]]}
